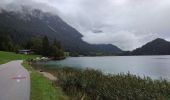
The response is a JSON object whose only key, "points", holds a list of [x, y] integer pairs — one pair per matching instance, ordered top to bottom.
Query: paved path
{"points": [[14, 81]]}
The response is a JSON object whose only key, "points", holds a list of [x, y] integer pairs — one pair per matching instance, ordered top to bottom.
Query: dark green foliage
{"points": [[6, 43], [56, 43], [35, 44], [38, 45], [45, 46], [56, 50], [94, 85]]}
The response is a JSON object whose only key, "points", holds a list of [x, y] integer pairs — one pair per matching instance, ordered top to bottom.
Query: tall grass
{"points": [[91, 84], [42, 88]]}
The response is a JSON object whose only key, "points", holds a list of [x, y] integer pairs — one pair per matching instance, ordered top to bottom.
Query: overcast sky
{"points": [[127, 24]]}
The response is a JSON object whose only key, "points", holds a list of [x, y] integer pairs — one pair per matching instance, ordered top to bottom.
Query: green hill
{"points": [[156, 47]]}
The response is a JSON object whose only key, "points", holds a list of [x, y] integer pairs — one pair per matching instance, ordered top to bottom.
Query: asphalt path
{"points": [[14, 81]]}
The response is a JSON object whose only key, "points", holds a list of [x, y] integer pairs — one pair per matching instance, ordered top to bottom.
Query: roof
{"points": [[24, 50]]}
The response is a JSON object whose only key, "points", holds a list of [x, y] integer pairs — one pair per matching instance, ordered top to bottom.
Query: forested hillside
{"points": [[22, 26], [156, 47]]}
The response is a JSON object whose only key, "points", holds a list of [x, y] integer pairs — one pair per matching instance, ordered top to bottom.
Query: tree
{"points": [[6, 43], [29, 44], [35, 44], [58, 44], [45, 46], [56, 50]]}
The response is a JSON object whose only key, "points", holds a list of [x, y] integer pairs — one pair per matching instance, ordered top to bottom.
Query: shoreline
{"points": [[48, 75], [73, 81]]}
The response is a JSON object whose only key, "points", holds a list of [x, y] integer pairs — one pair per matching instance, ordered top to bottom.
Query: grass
{"points": [[9, 56], [92, 84], [42, 88]]}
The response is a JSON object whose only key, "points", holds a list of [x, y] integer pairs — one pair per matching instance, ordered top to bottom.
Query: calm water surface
{"points": [[152, 66]]}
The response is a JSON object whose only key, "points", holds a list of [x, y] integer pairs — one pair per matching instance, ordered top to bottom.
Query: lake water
{"points": [[152, 66]]}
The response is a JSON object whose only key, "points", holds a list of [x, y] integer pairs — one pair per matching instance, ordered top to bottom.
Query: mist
{"points": [[127, 24]]}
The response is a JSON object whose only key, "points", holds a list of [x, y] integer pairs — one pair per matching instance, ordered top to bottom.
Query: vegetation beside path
{"points": [[9, 56], [91, 84], [42, 88]]}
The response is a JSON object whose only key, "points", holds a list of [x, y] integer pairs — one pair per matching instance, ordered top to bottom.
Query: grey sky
{"points": [[125, 23]]}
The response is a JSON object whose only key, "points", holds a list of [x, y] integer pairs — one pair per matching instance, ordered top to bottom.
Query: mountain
{"points": [[22, 25], [156, 47]]}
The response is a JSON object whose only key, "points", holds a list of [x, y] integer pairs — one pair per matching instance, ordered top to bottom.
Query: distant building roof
{"points": [[24, 50]]}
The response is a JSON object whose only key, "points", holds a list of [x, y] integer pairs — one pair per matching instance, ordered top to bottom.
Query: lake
{"points": [[155, 67]]}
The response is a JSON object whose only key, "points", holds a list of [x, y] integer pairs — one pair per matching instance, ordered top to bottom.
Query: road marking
{"points": [[19, 78]]}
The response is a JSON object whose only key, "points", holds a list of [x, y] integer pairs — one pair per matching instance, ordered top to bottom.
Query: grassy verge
{"points": [[9, 56], [42, 88]]}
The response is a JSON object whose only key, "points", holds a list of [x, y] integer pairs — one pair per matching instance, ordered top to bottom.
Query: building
{"points": [[25, 52]]}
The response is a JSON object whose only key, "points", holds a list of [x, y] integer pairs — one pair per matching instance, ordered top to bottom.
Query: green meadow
{"points": [[9, 56]]}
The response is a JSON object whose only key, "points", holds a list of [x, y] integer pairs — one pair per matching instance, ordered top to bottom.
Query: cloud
{"points": [[17, 5], [125, 23], [124, 39]]}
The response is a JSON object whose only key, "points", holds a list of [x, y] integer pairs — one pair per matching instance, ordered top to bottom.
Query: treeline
{"points": [[6, 43], [41, 46], [45, 48], [94, 85]]}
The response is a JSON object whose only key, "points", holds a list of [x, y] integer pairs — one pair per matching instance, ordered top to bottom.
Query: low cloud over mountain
{"points": [[125, 23]]}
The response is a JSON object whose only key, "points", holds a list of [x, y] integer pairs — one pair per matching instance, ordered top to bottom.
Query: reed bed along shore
{"points": [[92, 84]]}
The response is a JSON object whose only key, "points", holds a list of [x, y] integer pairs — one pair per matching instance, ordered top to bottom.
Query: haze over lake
{"points": [[152, 66]]}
